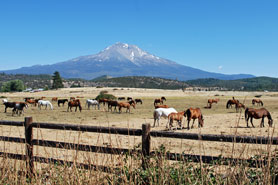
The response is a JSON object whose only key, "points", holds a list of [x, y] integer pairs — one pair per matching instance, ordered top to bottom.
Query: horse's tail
{"points": [[154, 103], [262, 103], [227, 105], [51, 106], [188, 113]]}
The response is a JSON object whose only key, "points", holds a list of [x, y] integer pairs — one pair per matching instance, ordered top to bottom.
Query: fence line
{"points": [[145, 132]]}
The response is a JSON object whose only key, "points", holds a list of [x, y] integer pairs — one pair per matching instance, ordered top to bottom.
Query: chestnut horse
{"points": [[54, 99], [156, 101], [211, 101], [258, 101], [32, 102], [231, 102], [74, 103], [125, 105], [161, 106], [239, 106], [194, 113], [257, 114], [175, 116]]}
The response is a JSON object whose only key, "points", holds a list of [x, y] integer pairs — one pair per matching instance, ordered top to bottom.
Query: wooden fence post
{"points": [[146, 144], [29, 147]]}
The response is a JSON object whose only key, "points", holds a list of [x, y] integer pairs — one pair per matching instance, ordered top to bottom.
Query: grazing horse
{"points": [[28, 98], [72, 98], [121, 98], [129, 98], [163, 98], [54, 99], [103, 100], [63, 101], [138, 101], [156, 101], [211, 101], [258, 101], [32, 102], [231, 102], [45, 103], [74, 103], [94, 103], [111, 104], [125, 105], [161, 106], [239, 106], [18, 107], [162, 112], [192, 113], [257, 114], [175, 116]]}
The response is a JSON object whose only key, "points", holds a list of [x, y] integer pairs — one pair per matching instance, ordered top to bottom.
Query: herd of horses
{"points": [[161, 110]]}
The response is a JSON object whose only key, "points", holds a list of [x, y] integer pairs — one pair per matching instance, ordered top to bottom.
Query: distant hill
{"points": [[121, 60], [249, 84]]}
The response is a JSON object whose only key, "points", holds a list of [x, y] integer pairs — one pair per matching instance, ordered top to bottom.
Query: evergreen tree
{"points": [[57, 81]]}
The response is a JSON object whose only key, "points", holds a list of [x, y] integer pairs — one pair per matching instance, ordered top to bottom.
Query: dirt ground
{"points": [[218, 120]]}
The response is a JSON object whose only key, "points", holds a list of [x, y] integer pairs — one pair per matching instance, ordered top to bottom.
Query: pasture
{"points": [[217, 120]]}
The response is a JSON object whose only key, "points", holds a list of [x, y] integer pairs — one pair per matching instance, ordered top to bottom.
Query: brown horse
{"points": [[54, 99], [103, 101], [138, 101], [156, 101], [211, 101], [258, 101], [32, 102], [231, 102], [74, 103], [111, 104], [125, 105], [161, 106], [239, 106], [192, 113], [257, 114], [177, 117]]}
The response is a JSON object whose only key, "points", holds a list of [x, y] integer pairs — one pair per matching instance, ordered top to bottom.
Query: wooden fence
{"points": [[145, 133]]}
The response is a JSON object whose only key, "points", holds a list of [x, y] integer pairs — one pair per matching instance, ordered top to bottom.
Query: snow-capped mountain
{"points": [[122, 60]]}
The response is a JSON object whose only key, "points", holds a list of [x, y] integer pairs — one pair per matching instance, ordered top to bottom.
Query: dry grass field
{"points": [[218, 120]]}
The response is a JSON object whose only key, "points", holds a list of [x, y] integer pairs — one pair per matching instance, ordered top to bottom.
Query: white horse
{"points": [[90, 102], [44, 103], [162, 112]]}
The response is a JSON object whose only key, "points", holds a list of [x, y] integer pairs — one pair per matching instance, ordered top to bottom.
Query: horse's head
{"points": [[133, 105]]}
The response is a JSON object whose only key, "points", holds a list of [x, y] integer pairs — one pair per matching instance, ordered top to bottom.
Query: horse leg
{"points": [[75, 108], [247, 119], [188, 120], [252, 122], [262, 122], [193, 123]]}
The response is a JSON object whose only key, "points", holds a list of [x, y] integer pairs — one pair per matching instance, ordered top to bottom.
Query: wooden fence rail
{"points": [[145, 133]]}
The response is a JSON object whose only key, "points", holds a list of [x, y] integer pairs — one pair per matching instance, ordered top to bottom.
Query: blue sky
{"points": [[226, 36]]}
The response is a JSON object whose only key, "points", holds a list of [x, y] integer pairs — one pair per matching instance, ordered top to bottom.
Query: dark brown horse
{"points": [[163, 98], [62, 101], [103, 101], [138, 101], [156, 101], [258, 102], [74, 103], [111, 104], [18, 108], [194, 113], [257, 114]]}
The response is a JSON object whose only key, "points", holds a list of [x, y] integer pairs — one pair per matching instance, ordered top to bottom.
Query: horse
{"points": [[28, 98], [72, 98], [121, 98], [129, 98], [163, 98], [54, 99], [103, 100], [31, 101], [63, 101], [138, 101], [156, 101], [211, 101], [258, 101], [131, 102], [231, 102], [45, 103], [74, 103], [94, 103], [111, 104], [9, 105], [125, 105], [161, 106], [239, 106], [18, 107], [162, 112], [194, 113], [257, 114], [175, 116]]}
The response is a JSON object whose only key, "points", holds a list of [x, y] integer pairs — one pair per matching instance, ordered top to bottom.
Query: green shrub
{"points": [[13, 86], [104, 94]]}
